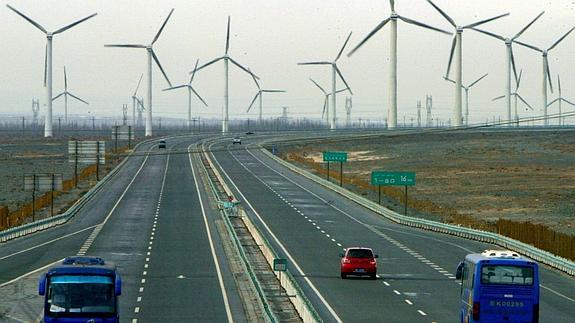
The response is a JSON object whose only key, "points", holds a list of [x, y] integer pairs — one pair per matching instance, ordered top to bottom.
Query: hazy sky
{"points": [[270, 37]]}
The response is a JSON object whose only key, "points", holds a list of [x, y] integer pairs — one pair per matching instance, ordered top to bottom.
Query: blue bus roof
{"points": [[479, 258], [83, 266]]}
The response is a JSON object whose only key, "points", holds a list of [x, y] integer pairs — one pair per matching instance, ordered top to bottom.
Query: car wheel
{"points": [[343, 276], [373, 276]]}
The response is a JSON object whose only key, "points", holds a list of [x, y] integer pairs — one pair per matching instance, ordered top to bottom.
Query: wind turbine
{"points": [[392, 19], [456, 48], [151, 55], [227, 59], [510, 59], [48, 63], [334, 70], [546, 72], [466, 88], [190, 90], [65, 94], [260, 95], [516, 96], [560, 99], [326, 100], [135, 101]]}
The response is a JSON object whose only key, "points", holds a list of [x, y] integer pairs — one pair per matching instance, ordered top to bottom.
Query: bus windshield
{"points": [[506, 275], [81, 294]]}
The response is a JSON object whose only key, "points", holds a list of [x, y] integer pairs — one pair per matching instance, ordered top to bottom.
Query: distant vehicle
{"points": [[249, 133], [237, 140], [162, 144], [358, 261], [498, 286], [81, 289]]}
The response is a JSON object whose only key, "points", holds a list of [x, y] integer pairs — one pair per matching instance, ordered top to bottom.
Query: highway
{"points": [[156, 221], [310, 226]]}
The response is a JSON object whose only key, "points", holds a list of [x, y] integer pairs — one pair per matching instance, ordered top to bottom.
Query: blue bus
{"points": [[498, 286], [81, 289]]}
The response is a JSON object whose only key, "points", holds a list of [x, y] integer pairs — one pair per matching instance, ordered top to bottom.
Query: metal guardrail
{"points": [[44, 224], [532, 252], [301, 303]]}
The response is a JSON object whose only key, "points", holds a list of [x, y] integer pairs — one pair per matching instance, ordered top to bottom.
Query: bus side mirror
{"points": [[459, 271], [42, 285], [118, 285]]}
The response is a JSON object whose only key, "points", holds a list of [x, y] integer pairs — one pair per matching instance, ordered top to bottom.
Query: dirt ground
{"points": [[519, 175]]}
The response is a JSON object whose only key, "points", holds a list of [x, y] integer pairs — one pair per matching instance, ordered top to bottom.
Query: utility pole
{"points": [[348, 107], [428, 107], [418, 113], [160, 118], [93, 123]]}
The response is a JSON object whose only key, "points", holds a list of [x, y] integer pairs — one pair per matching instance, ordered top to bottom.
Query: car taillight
{"points": [[346, 261], [372, 262], [476, 311], [536, 313]]}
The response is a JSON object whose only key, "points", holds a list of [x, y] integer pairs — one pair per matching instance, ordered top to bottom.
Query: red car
{"points": [[358, 261]]}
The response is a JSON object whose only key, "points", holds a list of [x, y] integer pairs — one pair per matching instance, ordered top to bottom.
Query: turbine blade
{"points": [[392, 4], [443, 14], [481, 22], [73, 24], [420, 24], [37, 25], [163, 25], [528, 25], [373, 32], [488, 33], [228, 36], [561, 39], [453, 42], [126, 45], [529, 46], [343, 47], [315, 63], [513, 63], [207, 64], [161, 68], [243, 68], [194, 71], [548, 75], [343, 79], [479, 79], [65, 80], [255, 80], [449, 80], [519, 80], [139, 81], [559, 84], [175, 87], [321, 88], [341, 90], [273, 91], [57, 96], [199, 97], [77, 98], [498, 98], [254, 100], [523, 100], [569, 102], [551, 103], [324, 106]]}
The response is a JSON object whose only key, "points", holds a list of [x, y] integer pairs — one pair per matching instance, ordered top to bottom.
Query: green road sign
{"points": [[334, 156], [381, 178], [280, 264]]}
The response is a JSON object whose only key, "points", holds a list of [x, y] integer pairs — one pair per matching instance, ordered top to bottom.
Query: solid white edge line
{"points": [[212, 249], [293, 262], [29, 273]]}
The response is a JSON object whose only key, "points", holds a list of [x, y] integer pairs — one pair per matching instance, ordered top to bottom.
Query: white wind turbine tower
{"points": [[392, 19], [456, 48], [151, 55], [227, 59], [510, 60], [48, 64], [334, 70], [546, 72], [466, 88], [190, 90], [66, 94], [260, 95], [516, 96], [326, 100], [559, 100], [135, 101]]}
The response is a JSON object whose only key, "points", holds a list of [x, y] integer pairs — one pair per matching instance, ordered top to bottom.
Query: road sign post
{"points": [[335, 156], [383, 178], [42, 183], [279, 265]]}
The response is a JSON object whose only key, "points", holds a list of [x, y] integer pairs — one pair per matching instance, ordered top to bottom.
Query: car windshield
{"points": [[359, 253], [506, 275], [81, 294]]}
